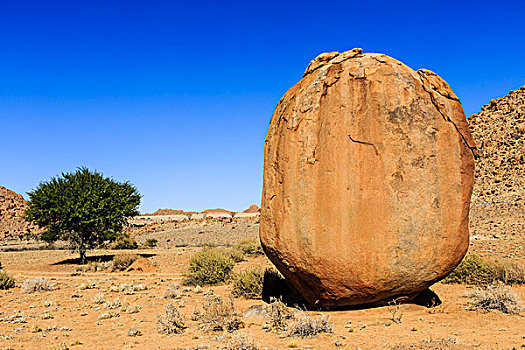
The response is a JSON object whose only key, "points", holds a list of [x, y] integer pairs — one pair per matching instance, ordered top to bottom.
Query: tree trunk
{"points": [[82, 256]]}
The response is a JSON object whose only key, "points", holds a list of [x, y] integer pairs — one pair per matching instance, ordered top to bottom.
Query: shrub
{"points": [[123, 242], [152, 242], [250, 247], [235, 254], [123, 261], [94, 266], [209, 266], [477, 270], [509, 272], [6, 281], [249, 283], [37, 285], [87, 285], [129, 289], [173, 292], [99, 298], [496, 298], [115, 304], [129, 309], [278, 314], [218, 315], [172, 322], [305, 326], [241, 341]]}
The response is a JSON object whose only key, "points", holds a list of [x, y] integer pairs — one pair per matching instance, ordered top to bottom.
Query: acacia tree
{"points": [[84, 208]]}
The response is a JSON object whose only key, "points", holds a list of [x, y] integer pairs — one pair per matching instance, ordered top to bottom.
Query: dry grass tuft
{"points": [[123, 261], [477, 270], [37, 285], [173, 292], [496, 297], [99, 298], [115, 304], [218, 315], [279, 315], [173, 322], [305, 326], [241, 341]]}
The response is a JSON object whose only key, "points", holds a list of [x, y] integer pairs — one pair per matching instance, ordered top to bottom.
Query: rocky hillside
{"points": [[499, 130], [498, 200], [12, 207]]}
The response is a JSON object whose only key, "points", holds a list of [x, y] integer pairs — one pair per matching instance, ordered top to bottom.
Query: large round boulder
{"points": [[368, 173]]}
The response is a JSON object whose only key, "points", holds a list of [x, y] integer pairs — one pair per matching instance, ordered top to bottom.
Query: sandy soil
{"points": [[69, 315]]}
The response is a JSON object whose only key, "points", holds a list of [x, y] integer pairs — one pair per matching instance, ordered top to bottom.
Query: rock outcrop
{"points": [[368, 174], [498, 199], [12, 209], [252, 209]]}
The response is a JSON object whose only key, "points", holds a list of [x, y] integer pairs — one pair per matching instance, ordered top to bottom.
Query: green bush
{"points": [[123, 242], [152, 242], [250, 247], [235, 254], [123, 261], [209, 266], [477, 270], [509, 272], [6, 281], [249, 283]]}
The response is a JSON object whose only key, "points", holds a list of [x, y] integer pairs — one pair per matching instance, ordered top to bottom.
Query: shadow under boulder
{"points": [[275, 287]]}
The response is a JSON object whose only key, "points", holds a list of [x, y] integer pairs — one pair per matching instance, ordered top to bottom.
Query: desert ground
{"points": [[119, 310]]}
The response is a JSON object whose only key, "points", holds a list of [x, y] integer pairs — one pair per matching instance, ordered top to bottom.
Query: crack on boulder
{"points": [[379, 59], [425, 76], [447, 119], [364, 143]]}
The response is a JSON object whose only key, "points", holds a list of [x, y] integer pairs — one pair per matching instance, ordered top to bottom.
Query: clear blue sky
{"points": [[177, 96]]}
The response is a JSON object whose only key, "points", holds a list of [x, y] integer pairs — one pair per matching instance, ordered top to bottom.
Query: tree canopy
{"points": [[83, 207]]}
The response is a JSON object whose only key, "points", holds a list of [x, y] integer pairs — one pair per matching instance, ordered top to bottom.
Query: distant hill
{"points": [[12, 208], [252, 209], [218, 211], [168, 212], [181, 212]]}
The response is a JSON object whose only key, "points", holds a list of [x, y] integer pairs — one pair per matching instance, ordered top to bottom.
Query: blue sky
{"points": [[177, 96]]}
